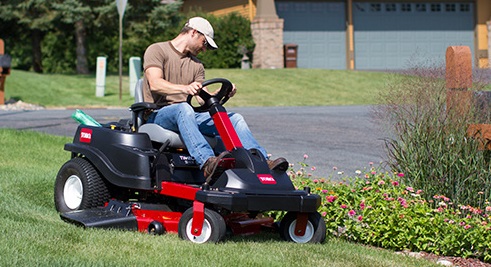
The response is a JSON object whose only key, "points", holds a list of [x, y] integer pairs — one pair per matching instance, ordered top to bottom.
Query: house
{"points": [[363, 34]]}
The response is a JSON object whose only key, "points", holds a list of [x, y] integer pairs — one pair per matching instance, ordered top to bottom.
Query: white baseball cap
{"points": [[203, 26]]}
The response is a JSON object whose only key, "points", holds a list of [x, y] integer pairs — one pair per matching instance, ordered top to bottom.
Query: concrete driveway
{"points": [[335, 138]]}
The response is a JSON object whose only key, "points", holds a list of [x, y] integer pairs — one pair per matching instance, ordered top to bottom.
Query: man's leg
{"points": [[181, 118], [206, 126]]}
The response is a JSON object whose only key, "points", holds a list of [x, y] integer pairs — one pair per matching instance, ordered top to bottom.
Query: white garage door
{"points": [[318, 28], [402, 35]]}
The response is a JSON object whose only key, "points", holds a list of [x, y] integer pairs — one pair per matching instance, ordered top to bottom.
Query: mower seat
{"points": [[156, 132]]}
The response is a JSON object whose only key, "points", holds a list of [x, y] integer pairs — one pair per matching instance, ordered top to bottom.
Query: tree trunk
{"points": [[80, 35], [37, 56]]}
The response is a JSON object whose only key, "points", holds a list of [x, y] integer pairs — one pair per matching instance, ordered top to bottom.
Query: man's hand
{"points": [[192, 89], [233, 91]]}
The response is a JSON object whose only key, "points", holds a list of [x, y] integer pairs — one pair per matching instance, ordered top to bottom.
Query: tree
{"points": [[80, 13], [36, 16]]}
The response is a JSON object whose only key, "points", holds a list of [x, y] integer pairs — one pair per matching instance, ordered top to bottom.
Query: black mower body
{"points": [[122, 158]]}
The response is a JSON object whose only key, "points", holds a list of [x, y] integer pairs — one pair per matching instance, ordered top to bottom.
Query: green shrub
{"points": [[233, 37], [430, 142], [378, 209]]}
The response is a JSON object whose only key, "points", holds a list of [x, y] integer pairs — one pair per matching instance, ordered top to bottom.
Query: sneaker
{"points": [[279, 164], [211, 168]]}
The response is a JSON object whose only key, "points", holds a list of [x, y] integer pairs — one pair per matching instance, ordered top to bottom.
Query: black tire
{"points": [[79, 186], [155, 228], [214, 228], [315, 232]]}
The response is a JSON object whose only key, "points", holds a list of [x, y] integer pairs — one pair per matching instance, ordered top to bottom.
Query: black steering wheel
{"points": [[208, 100]]}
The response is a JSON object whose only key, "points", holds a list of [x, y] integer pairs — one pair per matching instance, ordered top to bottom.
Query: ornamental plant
{"points": [[429, 140], [378, 209]]}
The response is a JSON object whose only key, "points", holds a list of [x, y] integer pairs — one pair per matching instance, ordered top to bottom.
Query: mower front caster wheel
{"points": [[155, 228], [213, 230], [315, 231]]}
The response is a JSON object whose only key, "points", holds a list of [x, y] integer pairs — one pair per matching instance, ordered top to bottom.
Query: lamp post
{"points": [[121, 4]]}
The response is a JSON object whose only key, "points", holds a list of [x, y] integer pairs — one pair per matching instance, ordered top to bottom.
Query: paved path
{"points": [[344, 137]]}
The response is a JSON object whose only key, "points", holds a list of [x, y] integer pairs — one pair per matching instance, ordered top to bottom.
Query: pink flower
{"points": [[305, 156], [313, 168], [400, 174], [315, 181], [381, 182], [395, 183], [410, 189], [324, 191], [331, 198], [402, 201], [362, 205], [343, 206], [488, 208], [351, 213], [324, 214], [360, 218], [467, 226]]}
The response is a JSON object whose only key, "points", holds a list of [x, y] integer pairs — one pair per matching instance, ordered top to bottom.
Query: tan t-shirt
{"points": [[178, 68]]}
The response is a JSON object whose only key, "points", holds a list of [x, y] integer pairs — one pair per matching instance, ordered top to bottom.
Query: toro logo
{"points": [[85, 135], [266, 179]]}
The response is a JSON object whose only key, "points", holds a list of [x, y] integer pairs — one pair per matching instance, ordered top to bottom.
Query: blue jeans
{"points": [[191, 125]]}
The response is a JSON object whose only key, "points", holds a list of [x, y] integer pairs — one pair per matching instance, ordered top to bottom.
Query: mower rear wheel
{"points": [[79, 186], [213, 230], [314, 233]]}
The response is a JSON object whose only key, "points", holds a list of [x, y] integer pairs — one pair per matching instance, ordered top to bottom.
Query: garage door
{"points": [[318, 28], [402, 35]]}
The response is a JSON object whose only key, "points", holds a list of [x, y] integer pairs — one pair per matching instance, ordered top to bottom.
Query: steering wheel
{"points": [[208, 100]]}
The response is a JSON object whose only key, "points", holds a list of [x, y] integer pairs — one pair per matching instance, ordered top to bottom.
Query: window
{"points": [[360, 7], [375, 7], [390, 7], [406, 7], [421, 7], [450, 7], [465, 7], [435, 8]]}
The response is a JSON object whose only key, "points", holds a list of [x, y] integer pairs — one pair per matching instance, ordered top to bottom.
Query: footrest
{"points": [[116, 215]]}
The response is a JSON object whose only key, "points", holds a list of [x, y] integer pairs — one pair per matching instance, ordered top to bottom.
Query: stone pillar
{"points": [[488, 23], [267, 32], [458, 76]]}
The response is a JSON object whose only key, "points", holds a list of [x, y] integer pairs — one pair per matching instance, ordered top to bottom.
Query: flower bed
{"points": [[377, 209]]}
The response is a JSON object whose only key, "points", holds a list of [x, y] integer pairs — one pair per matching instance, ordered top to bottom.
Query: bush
{"points": [[233, 37], [430, 142], [378, 209]]}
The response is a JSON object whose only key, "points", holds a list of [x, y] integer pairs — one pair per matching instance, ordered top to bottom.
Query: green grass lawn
{"points": [[279, 87], [32, 233]]}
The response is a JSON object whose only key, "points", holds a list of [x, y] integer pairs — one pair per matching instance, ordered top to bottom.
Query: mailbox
{"points": [[290, 55], [5, 61]]}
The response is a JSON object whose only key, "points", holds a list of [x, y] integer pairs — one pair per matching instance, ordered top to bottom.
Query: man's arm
{"points": [[157, 83]]}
